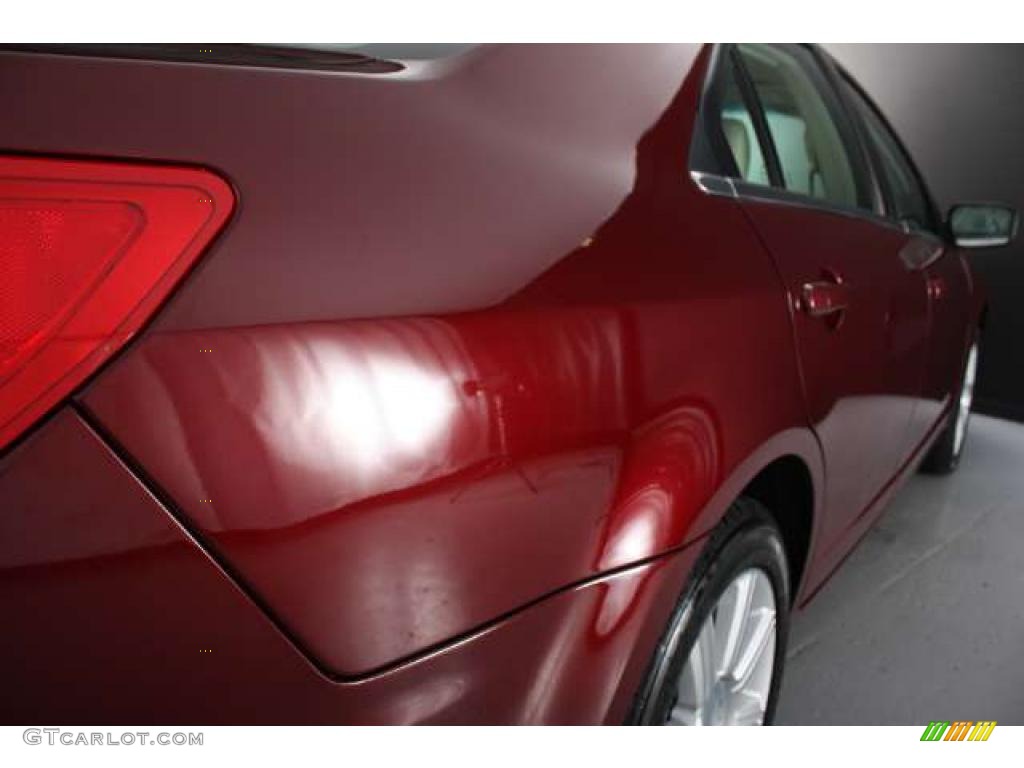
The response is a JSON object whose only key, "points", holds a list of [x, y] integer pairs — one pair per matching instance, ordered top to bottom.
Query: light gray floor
{"points": [[925, 620]]}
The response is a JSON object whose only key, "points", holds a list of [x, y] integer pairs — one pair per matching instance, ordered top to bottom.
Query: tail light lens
{"points": [[88, 251]]}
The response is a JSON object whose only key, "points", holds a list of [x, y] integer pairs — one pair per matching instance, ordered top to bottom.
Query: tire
{"points": [[944, 456], [744, 555]]}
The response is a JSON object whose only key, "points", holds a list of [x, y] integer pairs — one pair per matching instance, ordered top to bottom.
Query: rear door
{"points": [[860, 313]]}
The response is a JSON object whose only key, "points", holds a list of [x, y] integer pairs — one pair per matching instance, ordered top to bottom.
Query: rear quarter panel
{"points": [[473, 336], [114, 615]]}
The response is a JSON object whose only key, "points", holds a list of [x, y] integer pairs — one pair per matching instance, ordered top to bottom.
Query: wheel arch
{"points": [[786, 475], [785, 488]]}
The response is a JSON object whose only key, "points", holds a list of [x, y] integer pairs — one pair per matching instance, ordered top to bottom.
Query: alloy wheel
{"points": [[966, 397], [728, 674]]}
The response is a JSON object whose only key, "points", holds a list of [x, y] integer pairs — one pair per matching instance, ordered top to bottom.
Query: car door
{"points": [[928, 252], [860, 314]]}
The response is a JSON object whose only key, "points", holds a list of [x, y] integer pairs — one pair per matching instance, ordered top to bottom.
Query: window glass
{"points": [[739, 131], [814, 157], [908, 198]]}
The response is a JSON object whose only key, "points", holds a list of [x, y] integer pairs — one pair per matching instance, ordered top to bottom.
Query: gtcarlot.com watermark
{"points": [[59, 736]]}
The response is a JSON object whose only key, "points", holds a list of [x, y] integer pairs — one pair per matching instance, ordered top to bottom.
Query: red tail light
{"points": [[88, 250]]}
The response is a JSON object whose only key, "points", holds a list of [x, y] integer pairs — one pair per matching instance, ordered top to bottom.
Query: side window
{"points": [[739, 131], [813, 151], [908, 200]]}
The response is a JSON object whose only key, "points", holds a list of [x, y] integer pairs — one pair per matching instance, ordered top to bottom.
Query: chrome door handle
{"points": [[823, 298]]}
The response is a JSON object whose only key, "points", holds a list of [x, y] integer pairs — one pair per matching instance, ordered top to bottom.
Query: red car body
{"points": [[437, 426]]}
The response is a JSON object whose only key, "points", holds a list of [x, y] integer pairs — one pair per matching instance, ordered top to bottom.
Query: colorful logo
{"points": [[959, 731]]}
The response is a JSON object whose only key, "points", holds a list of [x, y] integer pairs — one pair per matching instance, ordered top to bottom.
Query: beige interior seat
{"points": [[738, 138]]}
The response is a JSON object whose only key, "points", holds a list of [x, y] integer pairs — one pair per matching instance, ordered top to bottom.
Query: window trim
{"points": [[723, 178]]}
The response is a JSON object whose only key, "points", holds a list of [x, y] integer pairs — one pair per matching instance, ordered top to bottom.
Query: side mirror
{"points": [[982, 225]]}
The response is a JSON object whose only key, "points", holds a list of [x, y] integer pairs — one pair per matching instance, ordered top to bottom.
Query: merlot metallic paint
{"points": [[485, 366]]}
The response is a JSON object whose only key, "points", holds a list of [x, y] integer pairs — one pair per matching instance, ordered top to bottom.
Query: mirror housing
{"points": [[982, 225]]}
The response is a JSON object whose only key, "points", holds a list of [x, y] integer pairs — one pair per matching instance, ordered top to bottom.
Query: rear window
{"points": [[814, 156]]}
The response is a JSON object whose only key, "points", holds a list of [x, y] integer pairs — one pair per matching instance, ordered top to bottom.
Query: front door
{"points": [[936, 261]]}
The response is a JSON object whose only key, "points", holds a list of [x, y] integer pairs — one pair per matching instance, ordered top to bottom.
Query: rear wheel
{"points": [[944, 456], [720, 660]]}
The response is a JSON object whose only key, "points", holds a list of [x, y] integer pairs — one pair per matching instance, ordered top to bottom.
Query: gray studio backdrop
{"points": [[960, 110]]}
